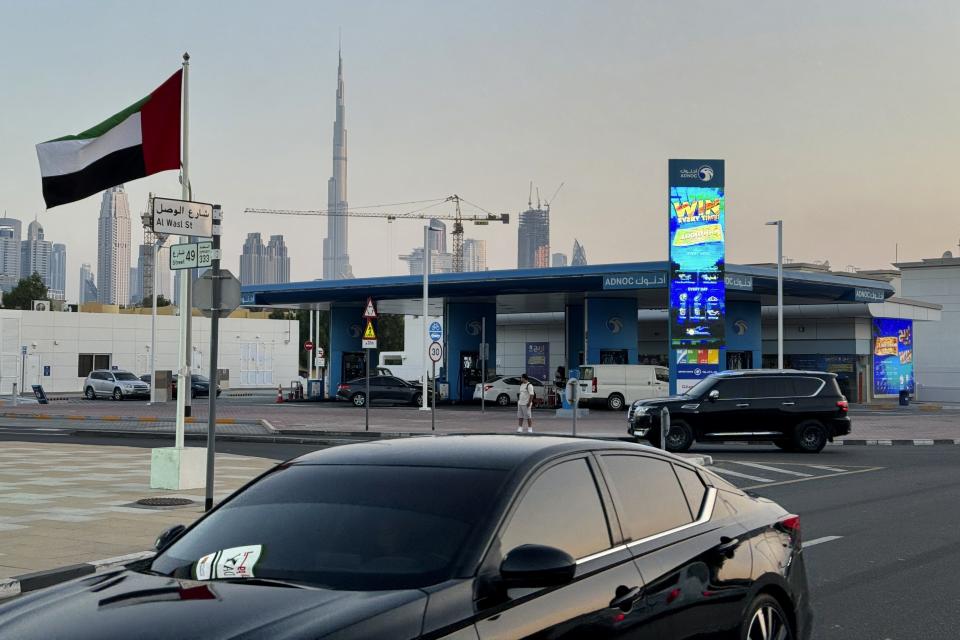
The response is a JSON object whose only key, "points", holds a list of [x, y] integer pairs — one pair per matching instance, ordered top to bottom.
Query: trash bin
{"points": [[315, 389], [904, 398]]}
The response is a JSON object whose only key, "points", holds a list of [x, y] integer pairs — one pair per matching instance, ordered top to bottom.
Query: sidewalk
{"points": [[62, 504]]}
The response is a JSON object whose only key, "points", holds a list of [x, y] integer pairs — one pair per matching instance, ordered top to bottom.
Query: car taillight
{"points": [[594, 385], [343, 387], [487, 387], [843, 405], [790, 524]]}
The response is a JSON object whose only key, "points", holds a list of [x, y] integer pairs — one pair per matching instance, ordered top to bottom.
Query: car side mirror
{"points": [[713, 396], [168, 536], [536, 566]]}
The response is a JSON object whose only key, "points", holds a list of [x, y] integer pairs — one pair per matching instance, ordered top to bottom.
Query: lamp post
{"points": [[779, 225], [426, 298]]}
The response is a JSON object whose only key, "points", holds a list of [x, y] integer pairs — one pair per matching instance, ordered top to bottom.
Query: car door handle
{"points": [[744, 404], [788, 404], [727, 544], [625, 598]]}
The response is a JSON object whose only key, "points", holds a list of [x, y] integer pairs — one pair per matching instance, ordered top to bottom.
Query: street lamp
{"points": [[779, 225], [426, 296]]}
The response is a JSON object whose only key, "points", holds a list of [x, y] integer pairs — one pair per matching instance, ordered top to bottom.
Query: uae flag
{"points": [[141, 140]]}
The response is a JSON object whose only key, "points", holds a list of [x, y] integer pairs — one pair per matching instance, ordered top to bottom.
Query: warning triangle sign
{"points": [[370, 311], [369, 333]]}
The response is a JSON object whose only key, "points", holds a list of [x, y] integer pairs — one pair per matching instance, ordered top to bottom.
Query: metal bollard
{"points": [[16, 397], [664, 427]]}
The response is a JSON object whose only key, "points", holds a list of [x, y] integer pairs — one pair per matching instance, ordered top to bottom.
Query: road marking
{"points": [[756, 465], [823, 468], [737, 474], [835, 475], [811, 543]]}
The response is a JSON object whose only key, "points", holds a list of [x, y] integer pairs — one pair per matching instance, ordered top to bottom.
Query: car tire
{"points": [[89, 393], [117, 394], [359, 399], [417, 399], [503, 400], [616, 402], [810, 436], [679, 438], [765, 620]]}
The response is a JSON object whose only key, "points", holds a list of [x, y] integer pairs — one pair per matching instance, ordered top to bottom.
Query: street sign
{"points": [[182, 217], [191, 255], [229, 293], [370, 311], [435, 331], [369, 333], [369, 344], [308, 346], [23, 350], [485, 350], [436, 351], [320, 352], [321, 363]]}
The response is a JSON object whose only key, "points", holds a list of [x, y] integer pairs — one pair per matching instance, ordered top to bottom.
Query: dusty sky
{"points": [[838, 116]]}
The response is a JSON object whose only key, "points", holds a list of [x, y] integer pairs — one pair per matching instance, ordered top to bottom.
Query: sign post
{"points": [[369, 345], [214, 354], [436, 355]]}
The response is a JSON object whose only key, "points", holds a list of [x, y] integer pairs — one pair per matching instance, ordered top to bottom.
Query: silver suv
{"points": [[116, 384]]}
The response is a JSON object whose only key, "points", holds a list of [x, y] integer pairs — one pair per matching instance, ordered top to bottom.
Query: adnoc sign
{"points": [[697, 250]]}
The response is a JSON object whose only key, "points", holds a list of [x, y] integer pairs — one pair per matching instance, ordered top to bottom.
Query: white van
{"points": [[618, 385]]}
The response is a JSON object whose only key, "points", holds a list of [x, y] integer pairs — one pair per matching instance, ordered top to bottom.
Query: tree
{"points": [[26, 291], [161, 302]]}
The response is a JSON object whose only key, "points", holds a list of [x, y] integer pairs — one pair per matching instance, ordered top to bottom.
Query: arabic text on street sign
{"points": [[181, 217], [183, 256]]}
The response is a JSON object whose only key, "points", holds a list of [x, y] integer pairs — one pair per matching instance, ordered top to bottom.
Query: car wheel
{"points": [[89, 393], [117, 394], [359, 399], [417, 399], [503, 400], [615, 402], [680, 437], [810, 437], [784, 445], [766, 620]]}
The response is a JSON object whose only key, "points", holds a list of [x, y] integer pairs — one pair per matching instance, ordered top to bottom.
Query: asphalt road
{"points": [[880, 524]]}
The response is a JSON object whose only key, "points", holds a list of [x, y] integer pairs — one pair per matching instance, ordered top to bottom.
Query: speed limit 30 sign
{"points": [[435, 351]]}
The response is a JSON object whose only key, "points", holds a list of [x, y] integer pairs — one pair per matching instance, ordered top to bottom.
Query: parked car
{"points": [[114, 383], [199, 385], [618, 385], [383, 389], [506, 390], [795, 410], [456, 537]]}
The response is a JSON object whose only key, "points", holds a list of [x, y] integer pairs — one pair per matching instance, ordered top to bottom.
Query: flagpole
{"points": [[183, 384]]}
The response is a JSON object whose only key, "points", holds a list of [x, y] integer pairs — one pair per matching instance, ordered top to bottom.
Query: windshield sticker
{"points": [[236, 562]]}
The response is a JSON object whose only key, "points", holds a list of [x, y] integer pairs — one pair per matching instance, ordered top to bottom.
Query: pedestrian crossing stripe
{"points": [[369, 333]]}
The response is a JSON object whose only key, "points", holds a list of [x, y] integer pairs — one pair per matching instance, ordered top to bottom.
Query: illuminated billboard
{"points": [[697, 251], [892, 356]]}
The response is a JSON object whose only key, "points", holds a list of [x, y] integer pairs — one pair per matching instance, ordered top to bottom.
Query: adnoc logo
{"points": [[705, 173], [615, 325], [740, 327], [473, 328], [355, 331]]}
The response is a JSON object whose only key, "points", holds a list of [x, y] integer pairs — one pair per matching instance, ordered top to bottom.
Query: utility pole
{"points": [[779, 225], [214, 353]]}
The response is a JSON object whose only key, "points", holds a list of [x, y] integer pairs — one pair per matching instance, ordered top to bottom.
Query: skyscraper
{"points": [[438, 235], [533, 239], [113, 247], [10, 253], [35, 254], [474, 255], [578, 257], [251, 259], [559, 260], [336, 262], [439, 262], [261, 264], [277, 265], [145, 268], [58, 272], [88, 286], [136, 286]]}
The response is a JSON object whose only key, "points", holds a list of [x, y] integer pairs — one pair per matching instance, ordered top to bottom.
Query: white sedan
{"points": [[505, 390]]}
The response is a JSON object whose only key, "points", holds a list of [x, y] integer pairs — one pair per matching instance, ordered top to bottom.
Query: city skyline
{"points": [[412, 138], [113, 247], [264, 263]]}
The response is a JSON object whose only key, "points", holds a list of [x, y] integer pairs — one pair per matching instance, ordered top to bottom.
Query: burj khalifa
{"points": [[336, 262]]}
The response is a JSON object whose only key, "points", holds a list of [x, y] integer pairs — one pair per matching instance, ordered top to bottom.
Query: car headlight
{"points": [[640, 410]]}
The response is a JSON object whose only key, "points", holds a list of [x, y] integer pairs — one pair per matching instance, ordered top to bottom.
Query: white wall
{"points": [[512, 342], [936, 351], [257, 352]]}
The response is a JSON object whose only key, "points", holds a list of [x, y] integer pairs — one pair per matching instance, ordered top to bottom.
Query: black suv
{"points": [[796, 410]]}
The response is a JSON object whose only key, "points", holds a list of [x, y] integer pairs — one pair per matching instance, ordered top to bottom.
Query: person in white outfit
{"points": [[525, 404]]}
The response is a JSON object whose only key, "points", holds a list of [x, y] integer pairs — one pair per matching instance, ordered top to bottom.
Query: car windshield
{"points": [[125, 376], [199, 378], [701, 387], [352, 527]]}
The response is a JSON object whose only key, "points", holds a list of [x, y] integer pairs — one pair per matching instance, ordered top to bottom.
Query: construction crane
{"points": [[422, 213]]}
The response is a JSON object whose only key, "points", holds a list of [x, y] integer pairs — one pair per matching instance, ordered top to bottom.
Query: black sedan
{"points": [[199, 385], [383, 390], [456, 537]]}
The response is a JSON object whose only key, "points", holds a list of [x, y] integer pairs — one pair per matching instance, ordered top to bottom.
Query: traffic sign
{"points": [[182, 217], [191, 255], [229, 293], [370, 311], [435, 331], [369, 333], [369, 344], [308, 346], [436, 351], [320, 352], [321, 362]]}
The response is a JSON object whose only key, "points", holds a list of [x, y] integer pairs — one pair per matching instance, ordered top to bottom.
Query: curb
{"points": [[157, 419], [919, 442], [10, 587]]}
